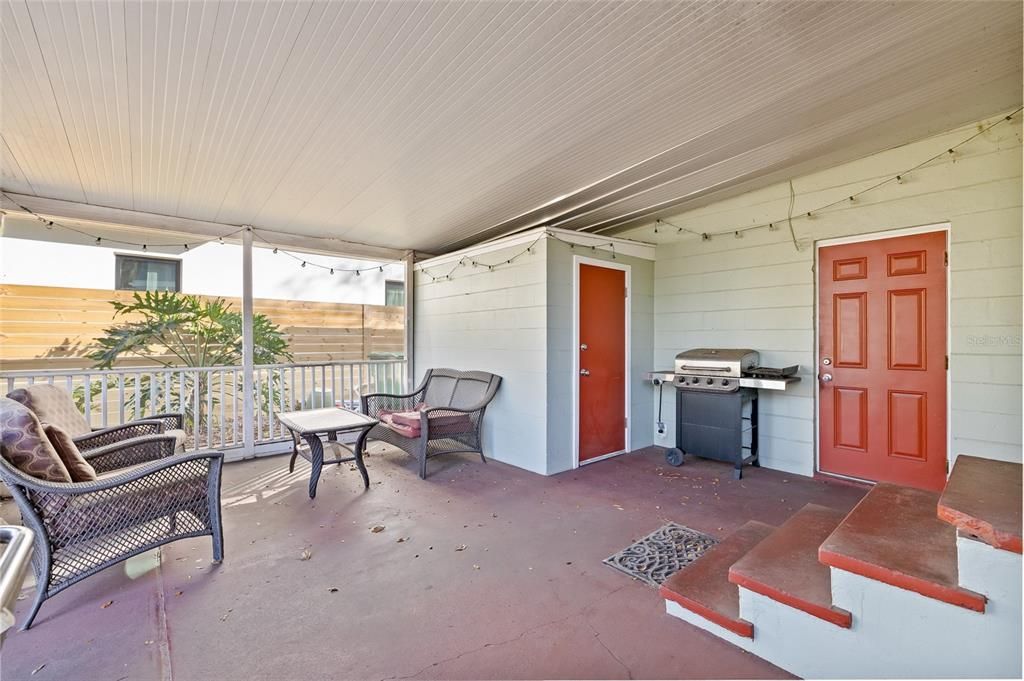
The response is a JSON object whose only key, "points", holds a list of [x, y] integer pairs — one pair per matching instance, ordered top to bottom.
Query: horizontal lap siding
{"points": [[758, 291], [493, 321], [43, 327]]}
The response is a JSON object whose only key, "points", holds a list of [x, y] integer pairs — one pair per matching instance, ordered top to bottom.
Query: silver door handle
{"points": [[584, 372], [826, 378]]}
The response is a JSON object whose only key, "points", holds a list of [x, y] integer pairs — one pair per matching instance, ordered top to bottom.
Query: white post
{"points": [[410, 306], [248, 403]]}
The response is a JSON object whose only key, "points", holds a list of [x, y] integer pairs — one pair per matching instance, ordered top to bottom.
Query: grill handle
{"points": [[683, 367]]}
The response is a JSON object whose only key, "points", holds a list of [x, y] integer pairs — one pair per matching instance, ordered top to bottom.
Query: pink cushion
{"points": [[406, 418], [408, 423], [400, 428]]}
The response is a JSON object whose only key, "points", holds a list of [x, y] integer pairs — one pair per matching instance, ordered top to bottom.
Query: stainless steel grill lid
{"points": [[717, 361]]}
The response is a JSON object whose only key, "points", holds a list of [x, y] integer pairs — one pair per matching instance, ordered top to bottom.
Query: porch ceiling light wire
{"points": [[848, 198], [100, 239], [304, 262], [473, 262]]}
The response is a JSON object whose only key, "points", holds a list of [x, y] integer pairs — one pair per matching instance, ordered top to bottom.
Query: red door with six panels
{"points": [[882, 359]]}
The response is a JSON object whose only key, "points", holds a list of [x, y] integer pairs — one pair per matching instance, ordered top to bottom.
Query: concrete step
{"points": [[983, 499], [895, 537], [785, 566], [704, 588]]}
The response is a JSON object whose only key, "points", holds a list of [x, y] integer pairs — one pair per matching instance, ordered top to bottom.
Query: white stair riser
{"points": [[990, 571], [895, 632]]}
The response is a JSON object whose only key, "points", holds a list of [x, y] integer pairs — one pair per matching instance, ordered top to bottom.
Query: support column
{"points": [[410, 319], [248, 376]]}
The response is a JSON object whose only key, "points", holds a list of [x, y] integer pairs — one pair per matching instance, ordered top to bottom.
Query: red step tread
{"points": [[983, 499], [894, 536], [785, 566], [703, 587]]}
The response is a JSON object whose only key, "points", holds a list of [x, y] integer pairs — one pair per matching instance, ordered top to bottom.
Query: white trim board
{"points": [[876, 236], [626, 247], [578, 260]]}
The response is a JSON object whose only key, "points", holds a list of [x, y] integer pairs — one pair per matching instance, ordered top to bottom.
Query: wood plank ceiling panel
{"points": [[433, 125]]}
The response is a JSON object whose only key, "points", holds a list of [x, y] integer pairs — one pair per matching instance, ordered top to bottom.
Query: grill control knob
{"points": [[695, 380], [710, 381], [725, 382]]}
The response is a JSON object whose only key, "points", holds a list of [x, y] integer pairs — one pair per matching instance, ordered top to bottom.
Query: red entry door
{"points": [[882, 360], [602, 361]]}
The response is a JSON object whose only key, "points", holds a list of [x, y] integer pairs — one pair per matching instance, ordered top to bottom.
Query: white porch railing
{"points": [[212, 397]]}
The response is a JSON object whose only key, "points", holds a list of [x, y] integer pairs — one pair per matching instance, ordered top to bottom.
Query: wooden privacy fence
{"points": [[51, 327]]}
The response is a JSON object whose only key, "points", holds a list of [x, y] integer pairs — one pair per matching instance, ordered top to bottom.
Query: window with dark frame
{"points": [[135, 273], [394, 293]]}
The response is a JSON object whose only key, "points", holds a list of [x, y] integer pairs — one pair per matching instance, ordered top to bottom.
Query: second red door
{"points": [[602, 361]]}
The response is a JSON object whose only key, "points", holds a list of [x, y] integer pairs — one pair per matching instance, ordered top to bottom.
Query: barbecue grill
{"points": [[716, 403]]}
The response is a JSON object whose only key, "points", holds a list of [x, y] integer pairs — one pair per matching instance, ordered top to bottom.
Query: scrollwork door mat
{"points": [[661, 553]]}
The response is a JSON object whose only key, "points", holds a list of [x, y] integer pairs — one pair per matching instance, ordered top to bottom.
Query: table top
{"points": [[327, 420]]}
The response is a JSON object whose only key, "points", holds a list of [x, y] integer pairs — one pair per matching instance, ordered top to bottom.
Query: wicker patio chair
{"points": [[53, 404], [450, 406], [144, 495]]}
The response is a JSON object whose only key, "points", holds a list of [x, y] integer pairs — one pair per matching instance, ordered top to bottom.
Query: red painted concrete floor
{"points": [[527, 597]]}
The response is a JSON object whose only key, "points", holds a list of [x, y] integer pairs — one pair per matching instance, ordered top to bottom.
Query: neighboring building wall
{"points": [[31, 255], [759, 291], [493, 321], [561, 377]]}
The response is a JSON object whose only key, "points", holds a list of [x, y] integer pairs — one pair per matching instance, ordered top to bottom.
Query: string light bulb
{"points": [[899, 179], [772, 227], [98, 241], [186, 247], [275, 251], [303, 263], [332, 270], [357, 273]]}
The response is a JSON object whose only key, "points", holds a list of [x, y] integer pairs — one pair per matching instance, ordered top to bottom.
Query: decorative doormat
{"points": [[663, 552]]}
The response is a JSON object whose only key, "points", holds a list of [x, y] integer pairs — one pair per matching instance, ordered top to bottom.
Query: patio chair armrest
{"points": [[374, 403], [172, 420], [102, 437], [131, 451], [45, 488]]}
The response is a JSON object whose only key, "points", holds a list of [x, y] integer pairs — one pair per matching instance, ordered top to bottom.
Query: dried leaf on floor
{"points": [[618, 507], [377, 528], [401, 540], [460, 547], [306, 554], [476, 567], [333, 590], [178, 593], [107, 604], [225, 616], [38, 668]]}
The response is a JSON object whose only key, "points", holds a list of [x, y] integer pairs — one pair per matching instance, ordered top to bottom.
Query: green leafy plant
{"points": [[177, 330]]}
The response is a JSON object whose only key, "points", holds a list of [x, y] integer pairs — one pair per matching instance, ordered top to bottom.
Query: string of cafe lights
{"points": [[774, 225], [100, 240], [467, 261], [304, 262]]}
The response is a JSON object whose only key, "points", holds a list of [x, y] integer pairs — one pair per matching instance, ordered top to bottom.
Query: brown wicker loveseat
{"points": [[442, 416], [131, 496]]}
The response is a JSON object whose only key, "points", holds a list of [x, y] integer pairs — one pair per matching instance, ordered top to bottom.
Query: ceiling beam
{"points": [[56, 209]]}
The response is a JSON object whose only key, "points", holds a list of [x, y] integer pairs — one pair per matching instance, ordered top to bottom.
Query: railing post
{"points": [[410, 319], [248, 403]]}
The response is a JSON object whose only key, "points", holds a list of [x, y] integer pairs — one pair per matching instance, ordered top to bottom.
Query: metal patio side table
{"points": [[311, 424]]}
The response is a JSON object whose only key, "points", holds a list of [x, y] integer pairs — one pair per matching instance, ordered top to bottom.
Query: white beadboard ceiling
{"points": [[433, 125]]}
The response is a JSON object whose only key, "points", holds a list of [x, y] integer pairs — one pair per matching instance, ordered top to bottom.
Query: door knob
{"points": [[584, 372], [826, 378]]}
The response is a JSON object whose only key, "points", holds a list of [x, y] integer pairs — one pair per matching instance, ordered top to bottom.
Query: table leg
{"points": [[316, 450], [358, 453]]}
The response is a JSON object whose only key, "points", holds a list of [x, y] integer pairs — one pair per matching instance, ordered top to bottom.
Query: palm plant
{"points": [[178, 330]]}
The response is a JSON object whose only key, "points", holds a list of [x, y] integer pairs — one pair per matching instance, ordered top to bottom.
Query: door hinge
{"points": [[945, 257], [626, 290], [947, 362]]}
